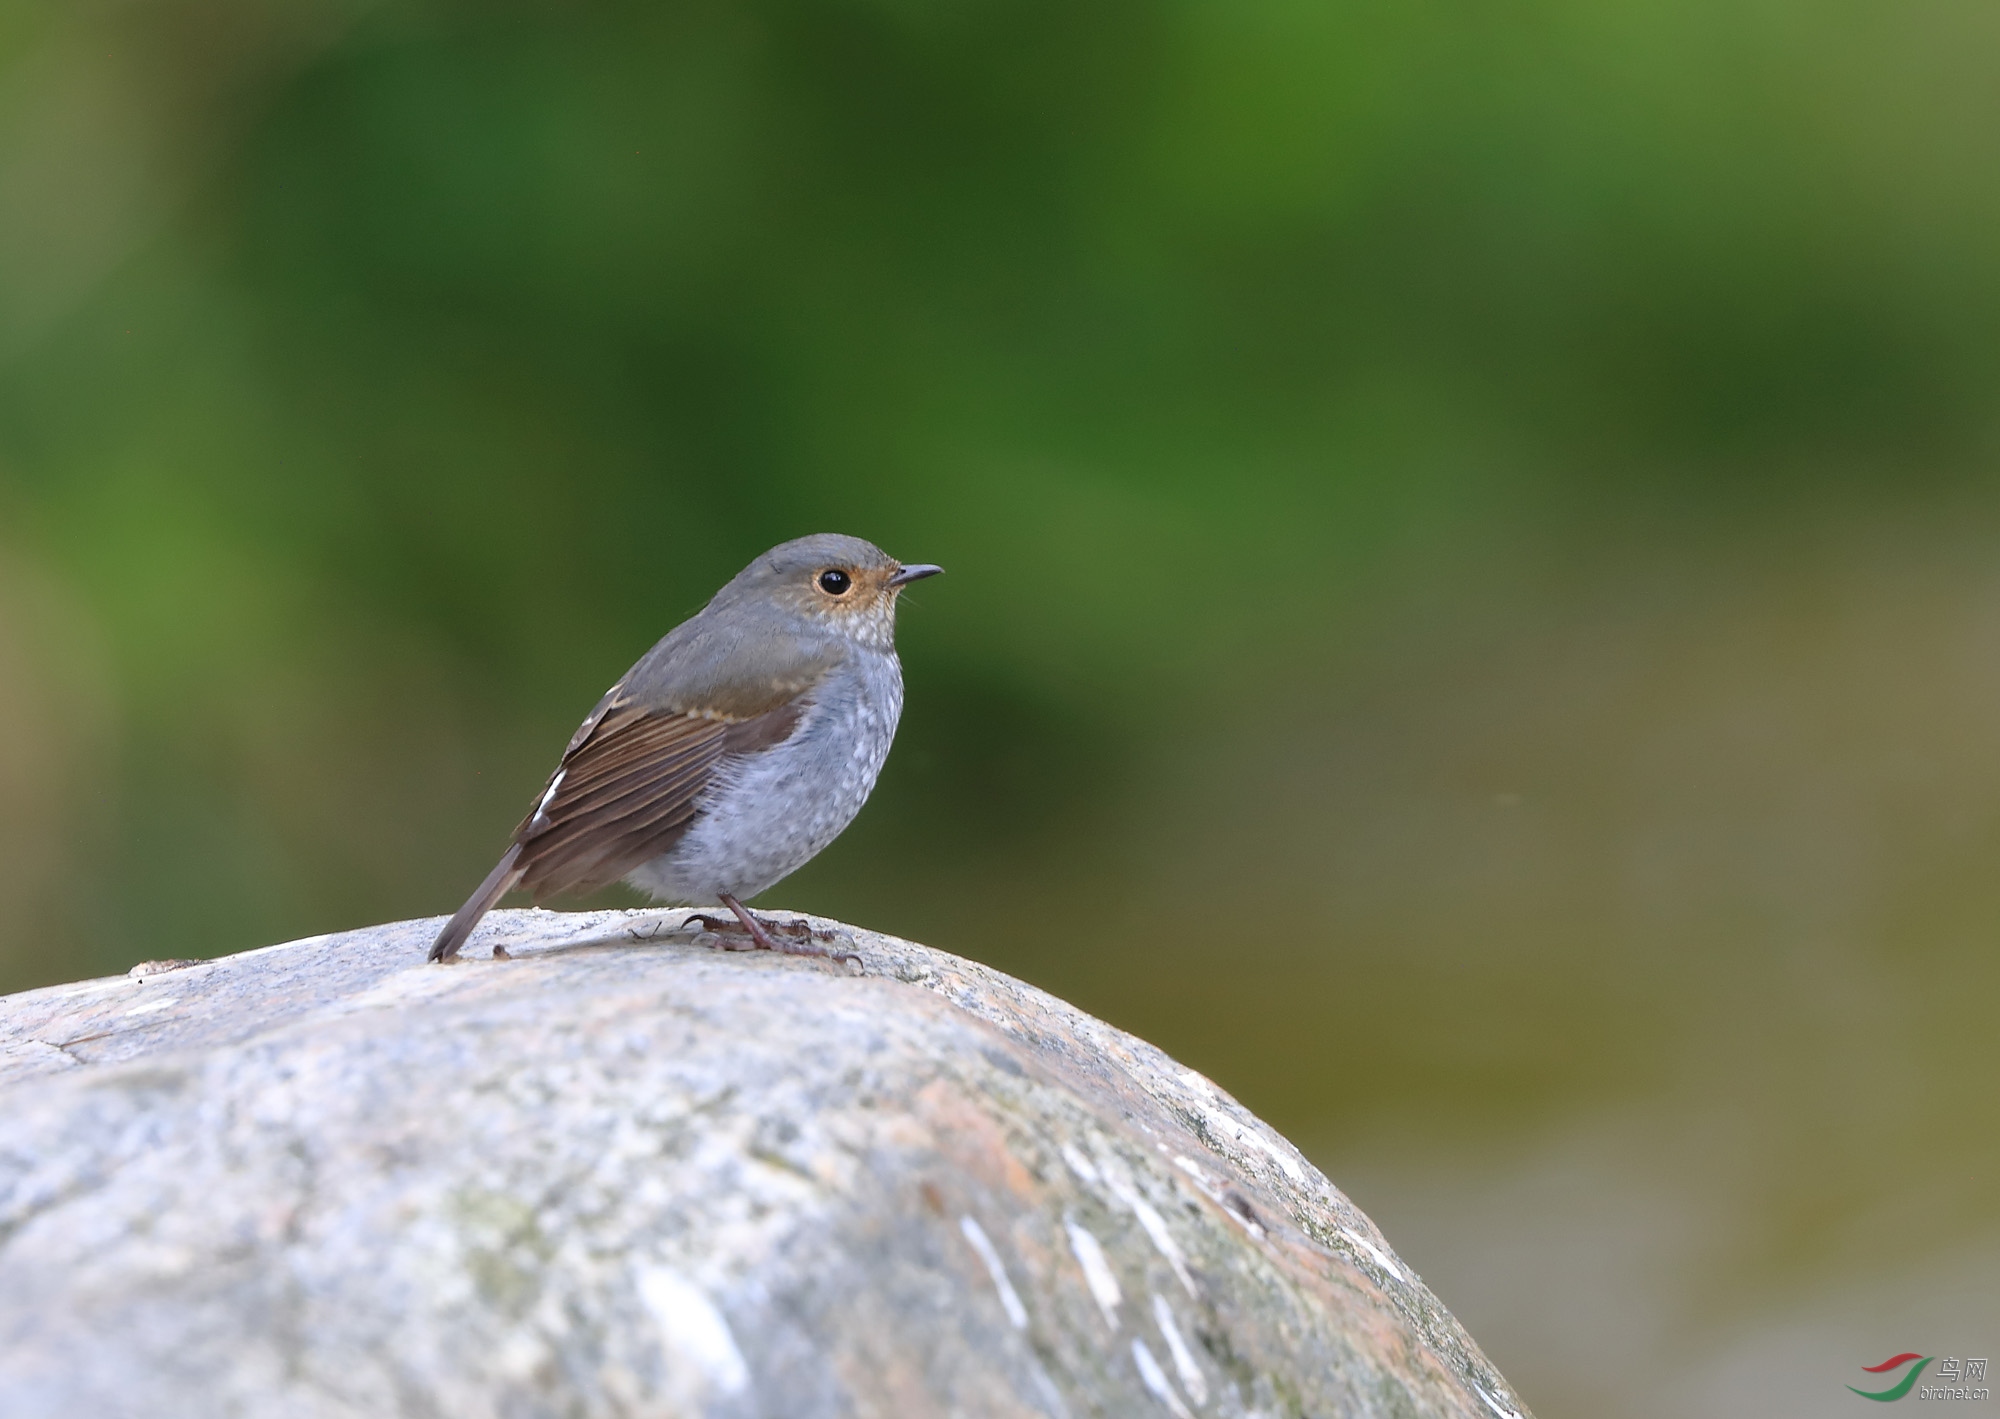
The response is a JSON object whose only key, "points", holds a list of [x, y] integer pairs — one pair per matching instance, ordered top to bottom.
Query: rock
{"points": [[623, 1174]]}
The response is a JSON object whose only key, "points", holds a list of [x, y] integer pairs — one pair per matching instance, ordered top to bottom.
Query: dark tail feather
{"points": [[498, 883]]}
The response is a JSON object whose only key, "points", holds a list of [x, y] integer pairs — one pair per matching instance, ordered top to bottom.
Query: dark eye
{"points": [[834, 582]]}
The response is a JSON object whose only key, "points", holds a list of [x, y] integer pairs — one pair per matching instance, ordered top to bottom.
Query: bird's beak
{"points": [[905, 575]]}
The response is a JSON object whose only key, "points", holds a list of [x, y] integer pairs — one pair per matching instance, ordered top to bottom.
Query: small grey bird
{"points": [[736, 748]]}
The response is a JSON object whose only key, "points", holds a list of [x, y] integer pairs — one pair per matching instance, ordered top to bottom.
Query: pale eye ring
{"points": [[835, 582]]}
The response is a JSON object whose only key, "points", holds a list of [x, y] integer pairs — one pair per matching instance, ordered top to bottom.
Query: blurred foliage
{"points": [[1469, 526]]}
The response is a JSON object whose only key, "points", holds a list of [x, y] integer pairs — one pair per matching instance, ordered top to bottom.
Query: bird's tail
{"points": [[498, 883]]}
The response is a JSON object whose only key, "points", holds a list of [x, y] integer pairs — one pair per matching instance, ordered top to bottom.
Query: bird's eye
{"points": [[834, 582]]}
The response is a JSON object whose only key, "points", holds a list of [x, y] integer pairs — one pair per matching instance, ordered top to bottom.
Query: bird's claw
{"points": [[791, 938]]}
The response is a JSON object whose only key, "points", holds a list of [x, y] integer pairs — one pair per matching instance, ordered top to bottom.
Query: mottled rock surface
{"points": [[619, 1176]]}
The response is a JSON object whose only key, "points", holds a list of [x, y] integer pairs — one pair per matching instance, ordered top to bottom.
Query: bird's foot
{"points": [[725, 933], [765, 935], [791, 938]]}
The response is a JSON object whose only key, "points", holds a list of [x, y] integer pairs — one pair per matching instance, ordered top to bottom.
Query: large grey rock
{"points": [[647, 1177]]}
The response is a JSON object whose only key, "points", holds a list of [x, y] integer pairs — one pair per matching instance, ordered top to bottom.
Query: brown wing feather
{"points": [[632, 776], [627, 790]]}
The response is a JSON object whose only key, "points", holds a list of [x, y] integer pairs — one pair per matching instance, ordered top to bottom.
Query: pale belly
{"points": [[768, 814]]}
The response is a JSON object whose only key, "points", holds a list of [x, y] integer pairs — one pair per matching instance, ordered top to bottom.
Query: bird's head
{"points": [[841, 583]]}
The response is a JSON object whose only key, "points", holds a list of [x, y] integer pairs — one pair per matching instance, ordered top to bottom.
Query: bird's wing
{"points": [[632, 777], [629, 785], [628, 788]]}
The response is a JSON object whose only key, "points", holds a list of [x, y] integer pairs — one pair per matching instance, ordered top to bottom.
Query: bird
{"points": [[736, 749]]}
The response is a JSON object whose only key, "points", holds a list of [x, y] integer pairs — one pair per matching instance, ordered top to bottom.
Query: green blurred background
{"points": [[1473, 529]]}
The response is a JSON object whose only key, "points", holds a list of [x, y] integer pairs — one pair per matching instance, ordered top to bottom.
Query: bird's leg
{"points": [[734, 926], [756, 928], [791, 947]]}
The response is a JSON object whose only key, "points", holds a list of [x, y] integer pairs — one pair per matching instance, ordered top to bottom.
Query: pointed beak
{"points": [[905, 575]]}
